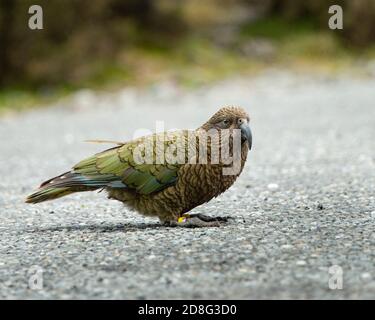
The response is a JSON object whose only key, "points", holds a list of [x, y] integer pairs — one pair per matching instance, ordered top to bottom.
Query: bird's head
{"points": [[231, 118]]}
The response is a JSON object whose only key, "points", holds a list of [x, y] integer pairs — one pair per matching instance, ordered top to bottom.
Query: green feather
{"points": [[118, 164]]}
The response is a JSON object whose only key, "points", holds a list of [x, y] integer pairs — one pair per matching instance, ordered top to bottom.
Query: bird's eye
{"points": [[224, 123]]}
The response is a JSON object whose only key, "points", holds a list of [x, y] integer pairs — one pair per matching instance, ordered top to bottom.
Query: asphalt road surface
{"points": [[303, 210]]}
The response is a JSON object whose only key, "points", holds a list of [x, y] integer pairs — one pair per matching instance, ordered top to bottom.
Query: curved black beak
{"points": [[246, 134]]}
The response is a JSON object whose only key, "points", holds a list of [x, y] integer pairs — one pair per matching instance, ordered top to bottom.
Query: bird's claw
{"points": [[206, 218], [197, 220]]}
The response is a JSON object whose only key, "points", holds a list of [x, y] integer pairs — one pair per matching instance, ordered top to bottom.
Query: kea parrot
{"points": [[147, 176]]}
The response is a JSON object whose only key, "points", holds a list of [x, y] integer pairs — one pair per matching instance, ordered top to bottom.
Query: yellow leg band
{"points": [[183, 218]]}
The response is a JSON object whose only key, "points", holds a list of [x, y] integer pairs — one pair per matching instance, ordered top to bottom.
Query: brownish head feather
{"points": [[230, 113]]}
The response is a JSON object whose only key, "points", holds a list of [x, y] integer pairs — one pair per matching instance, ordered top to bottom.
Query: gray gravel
{"points": [[304, 202]]}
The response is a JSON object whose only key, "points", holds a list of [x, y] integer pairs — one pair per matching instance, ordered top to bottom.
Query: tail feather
{"points": [[63, 185], [45, 194]]}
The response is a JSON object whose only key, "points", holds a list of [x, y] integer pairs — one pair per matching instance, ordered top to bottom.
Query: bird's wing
{"points": [[119, 167]]}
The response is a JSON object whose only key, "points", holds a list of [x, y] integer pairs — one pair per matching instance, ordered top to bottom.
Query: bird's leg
{"points": [[206, 218], [196, 220]]}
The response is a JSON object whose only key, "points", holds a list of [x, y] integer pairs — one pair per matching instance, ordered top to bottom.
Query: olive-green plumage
{"points": [[137, 174]]}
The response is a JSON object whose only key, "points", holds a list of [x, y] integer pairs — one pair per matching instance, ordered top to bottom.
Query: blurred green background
{"points": [[106, 44]]}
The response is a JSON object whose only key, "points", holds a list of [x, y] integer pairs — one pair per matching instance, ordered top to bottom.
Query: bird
{"points": [[165, 174]]}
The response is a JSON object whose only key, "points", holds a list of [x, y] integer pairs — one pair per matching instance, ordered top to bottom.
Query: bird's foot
{"points": [[206, 218], [197, 221]]}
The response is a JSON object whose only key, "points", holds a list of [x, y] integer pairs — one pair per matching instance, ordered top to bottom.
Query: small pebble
{"points": [[273, 186], [366, 275]]}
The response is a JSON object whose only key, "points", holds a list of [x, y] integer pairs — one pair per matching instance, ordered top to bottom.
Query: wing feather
{"points": [[117, 166]]}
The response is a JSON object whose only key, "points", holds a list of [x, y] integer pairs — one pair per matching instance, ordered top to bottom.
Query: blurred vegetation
{"points": [[110, 43]]}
